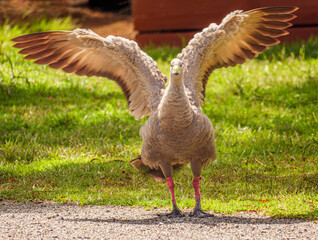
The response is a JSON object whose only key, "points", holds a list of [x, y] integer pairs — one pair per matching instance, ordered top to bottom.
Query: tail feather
{"points": [[139, 165]]}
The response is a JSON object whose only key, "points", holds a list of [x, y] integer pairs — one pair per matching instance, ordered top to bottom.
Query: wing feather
{"points": [[239, 37], [83, 52]]}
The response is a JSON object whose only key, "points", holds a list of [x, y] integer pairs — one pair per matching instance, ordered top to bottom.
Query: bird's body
{"points": [[177, 131]]}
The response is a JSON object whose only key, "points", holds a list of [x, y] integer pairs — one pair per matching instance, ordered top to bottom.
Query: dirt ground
{"points": [[103, 23], [70, 221]]}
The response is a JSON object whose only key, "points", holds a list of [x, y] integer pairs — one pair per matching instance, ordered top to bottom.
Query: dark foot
{"points": [[174, 214], [200, 214]]}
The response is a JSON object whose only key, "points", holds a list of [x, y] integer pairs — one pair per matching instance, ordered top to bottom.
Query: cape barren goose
{"points": [[177, 132]]}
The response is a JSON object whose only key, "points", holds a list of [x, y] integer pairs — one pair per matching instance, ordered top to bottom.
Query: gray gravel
{"points": [[70, 221]]}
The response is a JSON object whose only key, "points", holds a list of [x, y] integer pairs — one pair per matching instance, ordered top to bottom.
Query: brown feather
{"points": [[275, 10], [279, 17], [276, 24], [271, 32], [37, 36], [264, 40], [30, 43], [255, 46], [41, 47], [248, 53], [41, 54], [50, 59], [239, 59], [78, 62], [61, 63], [72, 67], [82, 71]]}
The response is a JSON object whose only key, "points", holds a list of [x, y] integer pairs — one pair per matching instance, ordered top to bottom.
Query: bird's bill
{"points": [[176, 70]]}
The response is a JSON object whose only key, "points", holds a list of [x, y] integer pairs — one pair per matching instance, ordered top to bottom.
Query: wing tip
{"points": [[293, 8], [290, 9], [275, 10], [38, 35], [17, 40], [15, 45]]}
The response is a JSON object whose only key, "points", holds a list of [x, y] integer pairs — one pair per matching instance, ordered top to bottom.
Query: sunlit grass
{"points": [[69, 138]]}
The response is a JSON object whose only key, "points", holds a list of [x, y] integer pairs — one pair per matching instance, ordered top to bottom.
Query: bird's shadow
{"points": [[210, 221]]}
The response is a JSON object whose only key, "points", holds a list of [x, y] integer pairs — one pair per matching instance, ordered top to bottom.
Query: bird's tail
{"points": [[139, 165], [157, 175]]}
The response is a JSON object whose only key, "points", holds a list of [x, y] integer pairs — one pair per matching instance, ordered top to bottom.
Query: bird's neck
{"points": [[176, 82], [175, 92], [175, 108]]}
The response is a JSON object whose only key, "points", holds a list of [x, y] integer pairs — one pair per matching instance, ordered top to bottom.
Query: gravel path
{"points": [[70, 221]]}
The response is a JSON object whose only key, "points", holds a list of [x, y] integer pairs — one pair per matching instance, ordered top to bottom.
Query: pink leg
{"points": [[196, 186], [171, 188], [176, 212], [197, 212]]}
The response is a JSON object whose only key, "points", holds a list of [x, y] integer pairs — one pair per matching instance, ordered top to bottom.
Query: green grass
{"points": [[68, 138]]}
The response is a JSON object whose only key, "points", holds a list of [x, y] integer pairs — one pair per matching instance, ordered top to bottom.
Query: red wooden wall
{"points": [[164, 22]]}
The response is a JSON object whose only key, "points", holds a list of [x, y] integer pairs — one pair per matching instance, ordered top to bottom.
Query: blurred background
{"points": [[103, 17], [163, 22]]}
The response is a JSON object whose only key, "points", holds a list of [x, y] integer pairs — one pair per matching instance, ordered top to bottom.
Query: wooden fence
{"points": [[165, 22]]}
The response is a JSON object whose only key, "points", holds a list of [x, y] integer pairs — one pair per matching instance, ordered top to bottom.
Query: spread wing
{"points": [[239, 37], [83, 52]]}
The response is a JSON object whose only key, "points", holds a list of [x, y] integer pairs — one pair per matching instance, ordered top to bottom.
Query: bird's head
{"points": [[176, 67]]}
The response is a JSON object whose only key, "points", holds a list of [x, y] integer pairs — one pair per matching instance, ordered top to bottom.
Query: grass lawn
{"points": [[68, 138]]}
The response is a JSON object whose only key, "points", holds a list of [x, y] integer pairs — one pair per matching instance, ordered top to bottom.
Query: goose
{"points": [[177, 132]]}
